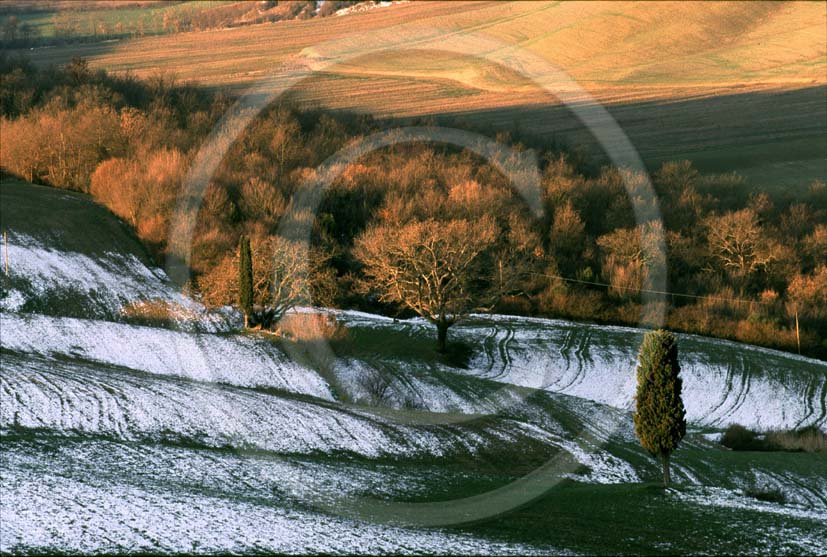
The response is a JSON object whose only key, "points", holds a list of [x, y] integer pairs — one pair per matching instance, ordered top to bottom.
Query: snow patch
{"points": [[105, 284], [236, 360], [105, 497]]}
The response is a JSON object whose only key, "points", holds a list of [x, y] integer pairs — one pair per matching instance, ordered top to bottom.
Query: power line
{"points": [[650, 291]]}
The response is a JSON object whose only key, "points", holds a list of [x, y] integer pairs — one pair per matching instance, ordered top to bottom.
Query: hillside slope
{"points": [[731, 85], [69, 256], [120, 437]]}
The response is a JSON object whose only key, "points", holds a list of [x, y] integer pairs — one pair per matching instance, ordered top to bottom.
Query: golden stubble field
{"points": [[734, 86]]}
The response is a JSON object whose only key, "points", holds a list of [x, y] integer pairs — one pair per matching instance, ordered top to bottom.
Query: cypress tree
{"points": [[245, 279], [660, 417]]}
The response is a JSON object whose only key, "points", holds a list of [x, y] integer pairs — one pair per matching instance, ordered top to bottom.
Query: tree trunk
{"points": [[441, 335], [666, 476]]}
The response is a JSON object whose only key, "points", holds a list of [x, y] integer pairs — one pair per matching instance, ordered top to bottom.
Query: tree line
{"points": [[422, 228]]}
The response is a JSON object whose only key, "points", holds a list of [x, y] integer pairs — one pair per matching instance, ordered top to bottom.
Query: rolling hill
{"points": [[732, 86], [188, 435]]}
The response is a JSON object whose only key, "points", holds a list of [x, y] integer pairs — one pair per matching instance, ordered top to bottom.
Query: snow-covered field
{"points": [[103, 285], [197, 356], [723, 382], [76, 397], [119, 437], [100, 496]]}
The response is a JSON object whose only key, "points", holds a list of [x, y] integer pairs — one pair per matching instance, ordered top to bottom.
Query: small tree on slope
{"points": [[245, 279], [660, 417]]}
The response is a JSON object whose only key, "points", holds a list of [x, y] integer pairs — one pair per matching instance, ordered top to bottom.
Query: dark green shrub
{"points": [[739, 438], [808, 439], [768, 494]]}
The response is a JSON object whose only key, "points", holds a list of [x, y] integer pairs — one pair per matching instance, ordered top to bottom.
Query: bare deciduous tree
{"points": [[738, 244], [631, 257], [429, 266], [284, 276], [280, 278], [377, 385]]}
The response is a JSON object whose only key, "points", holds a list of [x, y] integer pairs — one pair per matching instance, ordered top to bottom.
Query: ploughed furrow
{"points": [[503, 348], [237, 360], [723, 382], [120, 403], [130, 405]]}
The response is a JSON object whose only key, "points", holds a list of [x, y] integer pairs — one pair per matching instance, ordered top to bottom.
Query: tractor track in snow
{"points": [[504, 345], [488, 347], [565, 352], [580, 375], [815, 387], [743, 390], [710, 416], [823, 416], [814, 497]]}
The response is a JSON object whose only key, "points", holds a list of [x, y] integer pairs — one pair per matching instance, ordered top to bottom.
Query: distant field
{"points": [[87, 17], [733, 86]]}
